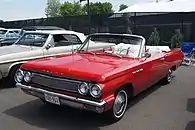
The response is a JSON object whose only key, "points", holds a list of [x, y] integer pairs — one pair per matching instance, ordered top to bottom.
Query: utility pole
{"points": [[89, 15]]}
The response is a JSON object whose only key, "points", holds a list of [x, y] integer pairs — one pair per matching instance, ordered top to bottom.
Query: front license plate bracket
{"points": [[52, 99]]}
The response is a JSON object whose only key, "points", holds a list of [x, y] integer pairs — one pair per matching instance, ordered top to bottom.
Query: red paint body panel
{"points": [[87, 67], [108, 71]]}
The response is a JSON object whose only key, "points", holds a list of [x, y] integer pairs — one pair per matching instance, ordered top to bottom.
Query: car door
{"points": [[62, 44], [157, 67], [145, 72], [148, 73]]}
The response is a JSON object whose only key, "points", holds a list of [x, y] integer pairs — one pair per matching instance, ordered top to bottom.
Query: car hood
{"points": [[13, 49], [12, 52], [96, 68]]}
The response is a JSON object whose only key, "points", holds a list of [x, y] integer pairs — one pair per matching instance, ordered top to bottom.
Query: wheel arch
{"points": [[12, 66], [173, 68], [129, 87]]}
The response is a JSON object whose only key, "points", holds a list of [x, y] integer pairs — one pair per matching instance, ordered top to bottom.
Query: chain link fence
{"points": [[171, 27]]}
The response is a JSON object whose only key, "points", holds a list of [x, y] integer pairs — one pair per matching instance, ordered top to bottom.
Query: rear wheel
{"points": [[167, 79], [0, 83], [119, 106]]}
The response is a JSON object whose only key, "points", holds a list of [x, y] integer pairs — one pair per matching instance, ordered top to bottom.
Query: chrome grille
{"points": [[56, 83]]}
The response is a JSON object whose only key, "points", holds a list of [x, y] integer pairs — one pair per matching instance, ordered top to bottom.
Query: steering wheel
{"points": [[109, 50], [128, 50]]}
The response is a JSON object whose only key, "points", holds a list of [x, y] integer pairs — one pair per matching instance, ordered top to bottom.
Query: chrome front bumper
{"points": [[80, 103]]}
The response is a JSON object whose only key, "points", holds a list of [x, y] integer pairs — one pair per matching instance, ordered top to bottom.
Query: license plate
{"points": [[52, 99]]}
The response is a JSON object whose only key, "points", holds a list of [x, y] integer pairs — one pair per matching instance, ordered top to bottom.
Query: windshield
{"points": [[2, 32], [17, 32], [32, 39], [117, 45]]}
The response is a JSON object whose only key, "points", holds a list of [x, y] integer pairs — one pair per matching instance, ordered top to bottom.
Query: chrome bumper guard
{"points": [[80, 103]]}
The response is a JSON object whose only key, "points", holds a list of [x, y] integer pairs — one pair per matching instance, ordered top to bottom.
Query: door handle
{"points": [[137, 71]]}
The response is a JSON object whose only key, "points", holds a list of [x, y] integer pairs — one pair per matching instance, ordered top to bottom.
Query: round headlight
{"points": [[19, 76], [27, 77], [83, 88], [96, 91]]}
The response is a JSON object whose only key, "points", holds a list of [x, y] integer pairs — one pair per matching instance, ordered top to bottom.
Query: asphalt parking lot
{"points": [[170, 107]]}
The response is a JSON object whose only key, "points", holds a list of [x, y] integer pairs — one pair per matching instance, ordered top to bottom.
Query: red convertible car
{"points": [[101, 80]]}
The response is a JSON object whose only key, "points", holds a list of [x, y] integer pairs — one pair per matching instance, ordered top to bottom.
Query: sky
{"points": [[29, 9]]}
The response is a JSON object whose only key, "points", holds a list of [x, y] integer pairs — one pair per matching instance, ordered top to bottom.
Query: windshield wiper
{"points": [[111, 54]]}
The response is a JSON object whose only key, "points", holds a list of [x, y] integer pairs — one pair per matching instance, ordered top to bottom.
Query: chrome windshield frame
{"points": [[142, 45]]}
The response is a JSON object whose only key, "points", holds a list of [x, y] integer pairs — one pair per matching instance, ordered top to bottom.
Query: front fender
{"points": [[14, 64], [5, 68]]}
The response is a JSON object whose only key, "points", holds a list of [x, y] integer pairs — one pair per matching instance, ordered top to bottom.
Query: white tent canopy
{"points": [[163, 6]]}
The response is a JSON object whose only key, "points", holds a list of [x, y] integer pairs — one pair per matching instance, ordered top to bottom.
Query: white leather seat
{"points": [[126, 49], [157, 49]]}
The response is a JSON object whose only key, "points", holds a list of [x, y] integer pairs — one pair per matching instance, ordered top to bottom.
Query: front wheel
{"points": [[12, 82], [119, 106]]}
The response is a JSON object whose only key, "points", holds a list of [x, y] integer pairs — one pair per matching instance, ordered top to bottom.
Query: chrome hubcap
{"points": [[169, 76], [120, 104]]}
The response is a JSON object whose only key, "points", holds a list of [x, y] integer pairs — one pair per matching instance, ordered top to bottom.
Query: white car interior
{"points": [[126, 49], [157, 49], [133, 50]]}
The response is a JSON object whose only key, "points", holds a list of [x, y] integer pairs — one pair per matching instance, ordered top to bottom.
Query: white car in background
{"points": [[9, 33], [10, 38], [34, 45]]}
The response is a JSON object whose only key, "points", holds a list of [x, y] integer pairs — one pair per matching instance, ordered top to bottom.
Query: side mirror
{"points": [[48, 46], [74, 50], [146, 55]]}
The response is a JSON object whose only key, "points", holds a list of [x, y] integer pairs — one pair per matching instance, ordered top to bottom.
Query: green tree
{"points": [[122, 7], [53, 8], [99, 8], [71, 9], [154, 38], [176, 39]]}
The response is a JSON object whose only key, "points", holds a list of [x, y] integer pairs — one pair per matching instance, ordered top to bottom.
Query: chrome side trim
{"points": [[84, 101]]}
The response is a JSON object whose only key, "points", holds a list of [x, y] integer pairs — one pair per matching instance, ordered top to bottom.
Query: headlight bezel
{"points": [[25, 77], [16, 78], [87, 90], [91, 91]]}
